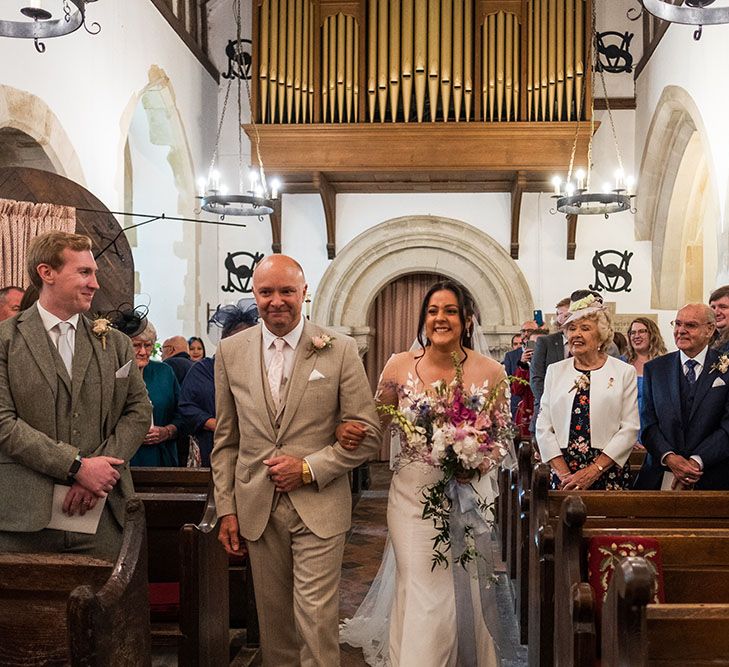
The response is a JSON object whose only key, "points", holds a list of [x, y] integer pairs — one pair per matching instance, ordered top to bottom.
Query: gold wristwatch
{"points": [[306, 473]]}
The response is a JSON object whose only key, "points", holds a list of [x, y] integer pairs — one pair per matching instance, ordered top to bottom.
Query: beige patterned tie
{"points": [[64, 345], [276, 371]]}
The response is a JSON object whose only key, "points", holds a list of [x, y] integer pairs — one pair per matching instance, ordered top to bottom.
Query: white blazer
{"points": [[614, 421]]}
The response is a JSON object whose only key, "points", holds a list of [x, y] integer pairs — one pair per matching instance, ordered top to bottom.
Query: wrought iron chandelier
{"points": [[691, 12], [42, 25], [574, 195], [259, 198]]}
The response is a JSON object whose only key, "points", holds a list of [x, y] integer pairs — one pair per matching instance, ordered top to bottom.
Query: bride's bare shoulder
{"points": [[398, 365], [485, 366]]}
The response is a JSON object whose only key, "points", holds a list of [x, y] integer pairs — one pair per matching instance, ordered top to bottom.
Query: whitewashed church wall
{"points": [[699, 68], [93, 84]]}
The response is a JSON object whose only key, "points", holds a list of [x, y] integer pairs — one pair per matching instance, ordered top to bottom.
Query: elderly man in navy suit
{"points": [[686, 410]]}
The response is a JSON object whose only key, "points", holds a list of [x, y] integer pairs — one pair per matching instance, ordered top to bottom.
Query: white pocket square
{"points": [[123, 372], [315, 375], [718, 383]]}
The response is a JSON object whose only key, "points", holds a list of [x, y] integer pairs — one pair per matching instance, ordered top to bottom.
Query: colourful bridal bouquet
{"points": [[464, 432]]}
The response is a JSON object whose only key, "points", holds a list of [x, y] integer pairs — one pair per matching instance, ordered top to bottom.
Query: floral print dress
{"points": [[579, 453]]}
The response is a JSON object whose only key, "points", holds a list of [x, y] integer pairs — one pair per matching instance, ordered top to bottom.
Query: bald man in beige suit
{"points": [[282, 388]]}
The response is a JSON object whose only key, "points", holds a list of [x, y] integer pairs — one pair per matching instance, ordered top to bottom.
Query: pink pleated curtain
{"points": [[20, 222], [394, 319]]}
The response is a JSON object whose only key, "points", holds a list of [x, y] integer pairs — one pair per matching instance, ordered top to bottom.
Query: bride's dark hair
{"points": [[465, 311]]}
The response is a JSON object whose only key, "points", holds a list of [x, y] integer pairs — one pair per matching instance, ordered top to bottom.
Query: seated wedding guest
{"points": [[10, 298], [719, 303], [621, 342], [644, 343], [197, 348], [175, 353], [513, 356], [197, 395], [686, 410], [588, 419], [524, 420], [160, 444]]}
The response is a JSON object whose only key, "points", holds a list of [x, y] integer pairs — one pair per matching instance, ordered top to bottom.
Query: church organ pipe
{"points": [[382, 51], [433, 55], [579, 55], [569, 56], [290, 57], [394, 57], [407, 57], [420, 57], [457, 58], [552, 58], [372, 59], [560, 59], [467, 60], [263, 61], [298, 62], [531, 64], [341, 65], [349, 68], [281, 78]]}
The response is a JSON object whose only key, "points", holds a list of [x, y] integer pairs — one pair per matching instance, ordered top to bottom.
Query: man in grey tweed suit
{"points": [[73, 407]]}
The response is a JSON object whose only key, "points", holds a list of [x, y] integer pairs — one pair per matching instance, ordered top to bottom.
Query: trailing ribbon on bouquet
{"points": [[466, 519]]}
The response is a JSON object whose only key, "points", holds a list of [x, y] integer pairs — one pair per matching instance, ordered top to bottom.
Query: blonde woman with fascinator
{"points": [[588, 421]]}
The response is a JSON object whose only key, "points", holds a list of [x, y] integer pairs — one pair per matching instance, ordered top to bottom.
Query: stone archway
{"points": [[30, 115], [677, 201], [413, 244]]}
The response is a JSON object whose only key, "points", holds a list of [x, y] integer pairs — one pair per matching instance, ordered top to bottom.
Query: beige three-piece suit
{"points": [[46, 418], [295, 540]]}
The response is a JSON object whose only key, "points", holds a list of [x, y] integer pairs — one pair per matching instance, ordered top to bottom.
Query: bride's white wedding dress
{"points": [[409, 615]]}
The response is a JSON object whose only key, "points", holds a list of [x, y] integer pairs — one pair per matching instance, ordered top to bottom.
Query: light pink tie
{"points": [[276, 371]]}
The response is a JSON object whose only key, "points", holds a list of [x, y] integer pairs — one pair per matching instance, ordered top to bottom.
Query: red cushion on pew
{"points": [[606, 551], [164, 598]]}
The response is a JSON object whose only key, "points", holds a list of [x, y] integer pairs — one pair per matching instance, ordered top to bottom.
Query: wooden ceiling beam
{"points": [[517, 190], [329, 200]]}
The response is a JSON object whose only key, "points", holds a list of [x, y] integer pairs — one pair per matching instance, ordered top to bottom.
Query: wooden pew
{"points": [[171, 480], [607, 509], [502, 510], [695, 570], [188, 575], [521, 593], [241, 596], [70, 609], [638, 633]]}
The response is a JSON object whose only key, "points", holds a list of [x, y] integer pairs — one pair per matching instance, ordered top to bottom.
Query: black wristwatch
{"points": [[75, 467]]}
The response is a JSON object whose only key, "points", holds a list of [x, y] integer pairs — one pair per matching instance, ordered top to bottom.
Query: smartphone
{"points": [[538, 318], [531, 344]]}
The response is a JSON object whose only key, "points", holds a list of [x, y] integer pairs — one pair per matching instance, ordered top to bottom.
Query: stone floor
{"points": [[362, 555]]}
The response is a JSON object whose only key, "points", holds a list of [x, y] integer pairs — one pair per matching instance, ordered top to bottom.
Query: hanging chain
{"points": [[579, 120], [220, 130], [256, 136]]}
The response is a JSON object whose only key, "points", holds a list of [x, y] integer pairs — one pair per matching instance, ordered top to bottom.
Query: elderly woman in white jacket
{"points": [[588, 422]]}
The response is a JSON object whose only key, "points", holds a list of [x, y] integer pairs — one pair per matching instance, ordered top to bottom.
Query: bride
{"points": [[421, 602]]}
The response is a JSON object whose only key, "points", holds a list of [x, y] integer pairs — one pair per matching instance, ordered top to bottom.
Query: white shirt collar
{"points": [[50, 320], [292, 337], [700, 357]]}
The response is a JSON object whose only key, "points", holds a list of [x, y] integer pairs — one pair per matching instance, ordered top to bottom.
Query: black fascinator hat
{"points": [[128, 319], [227, 319]]}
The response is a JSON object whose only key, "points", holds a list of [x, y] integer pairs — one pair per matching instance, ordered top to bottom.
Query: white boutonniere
{"points": [[101, 327], [319, 344], [722, 365], [581, 383]]}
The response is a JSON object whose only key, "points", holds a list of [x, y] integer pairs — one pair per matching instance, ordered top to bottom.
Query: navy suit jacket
{"points": [[511, 361], [707, 432]]}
